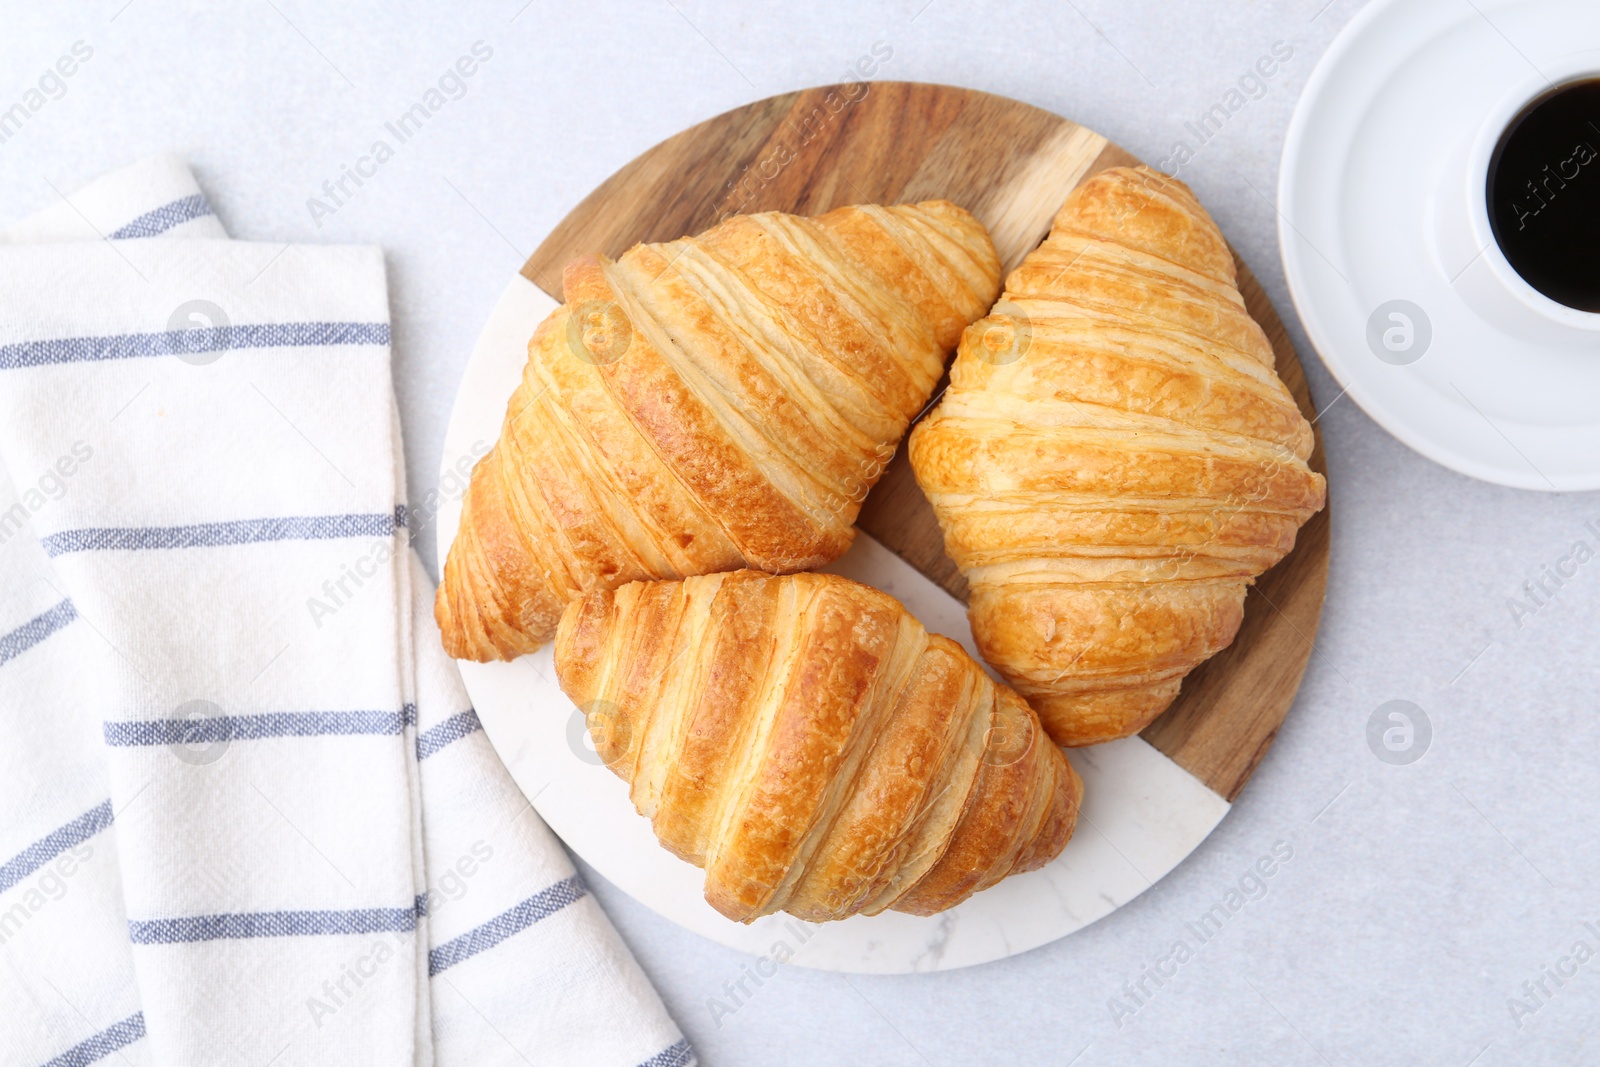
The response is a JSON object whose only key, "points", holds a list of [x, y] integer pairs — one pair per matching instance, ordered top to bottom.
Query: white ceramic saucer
{"points": [[1386, 241], [1142, 812]]}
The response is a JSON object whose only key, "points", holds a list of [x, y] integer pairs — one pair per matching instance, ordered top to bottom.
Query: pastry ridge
{"points": [[714, 402], [1116, 459], [811, 746]]}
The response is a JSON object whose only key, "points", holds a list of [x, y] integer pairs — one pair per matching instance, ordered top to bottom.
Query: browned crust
{"points": [[714, 402], [1114, 471], [808, 743]]}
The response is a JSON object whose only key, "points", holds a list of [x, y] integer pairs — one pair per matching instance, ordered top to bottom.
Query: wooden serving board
{"points": [[1011, 165]]}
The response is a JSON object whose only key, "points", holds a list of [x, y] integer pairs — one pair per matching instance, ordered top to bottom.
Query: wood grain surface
{"points": [[1011, 165]]}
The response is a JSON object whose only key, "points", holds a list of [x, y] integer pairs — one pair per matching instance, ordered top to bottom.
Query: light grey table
{"points": [[1418, 900]]}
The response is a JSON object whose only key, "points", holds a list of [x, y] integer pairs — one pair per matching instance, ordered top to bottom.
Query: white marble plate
{"points": [[1142, 813]]}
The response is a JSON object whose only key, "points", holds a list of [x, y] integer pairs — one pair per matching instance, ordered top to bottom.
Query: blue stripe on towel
{"points": [[165, 218], [190, 342], [213, 534], [35, 630], [454, 728], [208, 729], [54, 844], [541, 905], [270, 924], [103, 1044], [674, 1055]]}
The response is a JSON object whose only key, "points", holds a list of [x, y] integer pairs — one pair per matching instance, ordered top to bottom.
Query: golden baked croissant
{"points": [[706, 404], [1115, 459], [811, 746]]}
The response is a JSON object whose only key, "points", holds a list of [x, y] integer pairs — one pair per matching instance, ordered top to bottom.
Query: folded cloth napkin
{"points": [[246, 812]]}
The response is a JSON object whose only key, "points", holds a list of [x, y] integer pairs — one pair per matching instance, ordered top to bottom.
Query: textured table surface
{"points": [[1417, 900]]}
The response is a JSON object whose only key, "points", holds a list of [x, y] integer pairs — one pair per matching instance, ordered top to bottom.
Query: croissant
{"points": [[711, 403], [1116, 459], [811, 746]]}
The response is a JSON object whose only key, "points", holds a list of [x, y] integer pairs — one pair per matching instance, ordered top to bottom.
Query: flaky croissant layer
{"points": [[710, 403], [1116, 459], [811, 746]]}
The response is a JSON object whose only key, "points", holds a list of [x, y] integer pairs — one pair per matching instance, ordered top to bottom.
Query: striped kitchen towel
{"points": [[246, 812]]}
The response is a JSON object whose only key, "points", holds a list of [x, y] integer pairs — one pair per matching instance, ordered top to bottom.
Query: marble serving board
{"points": [[1148, 800], [1142, 813]]}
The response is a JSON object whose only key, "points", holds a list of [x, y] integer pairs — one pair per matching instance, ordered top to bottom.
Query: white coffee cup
{"points": [[1464, 238]]}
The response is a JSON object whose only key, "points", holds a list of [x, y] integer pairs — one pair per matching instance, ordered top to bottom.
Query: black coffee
{"points": [[1544, 194]]}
